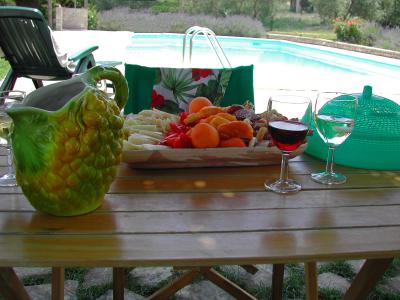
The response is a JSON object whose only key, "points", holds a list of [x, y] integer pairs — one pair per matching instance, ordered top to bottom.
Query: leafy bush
{"points": [[365, 9], [327, 10], [390, 13], [92, 17], [142, 21], [348, 30], [370, 32], [389, 38]]}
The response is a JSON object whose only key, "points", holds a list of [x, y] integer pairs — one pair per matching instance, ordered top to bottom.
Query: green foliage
{"points": [[7, 2], [166, 6], [366, 9], [327, 10], [390, 13], [92, 17], [348, 31], [4, 67], [341, 268], [294, 283], [329, 294]]}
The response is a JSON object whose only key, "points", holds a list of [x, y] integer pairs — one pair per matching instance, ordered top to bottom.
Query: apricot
{"points": [[198, 103], [207, 111], [226, 116], [192, 118], [216, 121], [238, 129], [204, 135], [232, 142]]}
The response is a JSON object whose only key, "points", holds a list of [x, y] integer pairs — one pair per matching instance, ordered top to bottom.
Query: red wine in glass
{"points": [[287, 135]]}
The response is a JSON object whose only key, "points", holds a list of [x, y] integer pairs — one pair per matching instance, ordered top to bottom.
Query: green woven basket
{"points": [[375, 140]]}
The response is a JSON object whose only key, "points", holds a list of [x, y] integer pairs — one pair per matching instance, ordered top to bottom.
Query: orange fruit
{"points": [[198, 103], [210, 110], [238, 129], [204, 135], [232, 142]]}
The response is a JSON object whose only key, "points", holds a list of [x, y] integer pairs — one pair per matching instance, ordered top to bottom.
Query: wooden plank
{"points": [[296, 167], [203, 182], [226, 201], [202, 221], [120, 250], [250, 269], [310, 270], [278, 271], [366, 279], [57, 283], [118, 283], [177, 284], [225, 284], [10, 285]]}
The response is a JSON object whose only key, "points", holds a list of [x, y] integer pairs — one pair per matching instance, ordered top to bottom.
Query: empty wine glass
{"points": [[7, 99], [334, 118], [289, 120]]}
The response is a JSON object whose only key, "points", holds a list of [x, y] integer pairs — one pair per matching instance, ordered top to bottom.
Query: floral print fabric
{"points": [[174, 88]]}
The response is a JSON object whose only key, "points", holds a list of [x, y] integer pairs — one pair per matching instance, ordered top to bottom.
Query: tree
{"points": [[366, 9], [327, 10], [49, 13], [390, 13]]}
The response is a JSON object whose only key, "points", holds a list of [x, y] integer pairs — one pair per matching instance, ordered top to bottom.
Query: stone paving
{"points": [[152, 278]]}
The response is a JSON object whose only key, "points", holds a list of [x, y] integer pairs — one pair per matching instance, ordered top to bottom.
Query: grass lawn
{"points": [[306, 25], [310, 34], [4, 66]]}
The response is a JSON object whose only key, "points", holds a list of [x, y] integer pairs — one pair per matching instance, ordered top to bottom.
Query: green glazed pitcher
{"points": [[67, 142]]}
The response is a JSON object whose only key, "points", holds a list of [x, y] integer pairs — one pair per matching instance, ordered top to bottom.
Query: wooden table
{"points": [[204, 217]]}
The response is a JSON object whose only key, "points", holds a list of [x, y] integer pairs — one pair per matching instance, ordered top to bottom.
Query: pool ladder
{"points": [[212, 41]]}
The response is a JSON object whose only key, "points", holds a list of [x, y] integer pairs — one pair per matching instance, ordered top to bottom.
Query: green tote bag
{"points": [[171, 89]]}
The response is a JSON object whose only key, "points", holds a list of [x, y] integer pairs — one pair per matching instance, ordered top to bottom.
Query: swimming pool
{"points": [[277, 64]]}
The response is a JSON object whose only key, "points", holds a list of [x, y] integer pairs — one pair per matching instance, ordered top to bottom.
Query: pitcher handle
{"points": [[98, 73]]}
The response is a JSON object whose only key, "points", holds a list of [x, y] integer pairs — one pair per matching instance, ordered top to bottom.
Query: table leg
{"points": [[250, 269], [310, 270], [278, 271], [370, 273], [180, 282], [57, 283], [118, 283], [226, 284], [10, 285]]}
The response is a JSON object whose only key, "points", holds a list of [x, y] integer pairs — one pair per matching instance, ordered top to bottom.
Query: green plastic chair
{"points": [[27, 45]]}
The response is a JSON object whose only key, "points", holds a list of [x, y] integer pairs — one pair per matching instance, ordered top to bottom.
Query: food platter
{"points": [[209, 157]]}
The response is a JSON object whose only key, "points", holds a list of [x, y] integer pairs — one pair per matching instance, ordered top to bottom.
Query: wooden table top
{"points": [[210, 216]]}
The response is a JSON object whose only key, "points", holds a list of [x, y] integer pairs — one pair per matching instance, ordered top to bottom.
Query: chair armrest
{"points": [[83, 53]]}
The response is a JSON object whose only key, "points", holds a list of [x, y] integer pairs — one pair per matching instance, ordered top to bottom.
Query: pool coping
{"points": [[334, 44]]}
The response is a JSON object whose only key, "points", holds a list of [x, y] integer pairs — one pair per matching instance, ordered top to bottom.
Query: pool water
{"points": [[277, 64]]}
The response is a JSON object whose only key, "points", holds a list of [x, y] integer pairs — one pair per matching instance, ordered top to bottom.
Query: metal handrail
{"points": [[210, 38]]}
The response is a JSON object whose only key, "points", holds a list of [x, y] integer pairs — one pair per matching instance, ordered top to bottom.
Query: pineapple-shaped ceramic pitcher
{"points": [[67, 141]]}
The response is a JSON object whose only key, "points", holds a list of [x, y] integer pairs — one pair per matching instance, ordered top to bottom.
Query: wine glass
{"points": [[7, 99], [334, 117], [289, 120]]}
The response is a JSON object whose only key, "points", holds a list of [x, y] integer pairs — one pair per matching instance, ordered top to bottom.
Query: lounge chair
{"points": [[27, 43]]}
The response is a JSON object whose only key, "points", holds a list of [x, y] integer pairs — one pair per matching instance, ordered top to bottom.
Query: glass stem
{"points": [[330, 159], [10, 161], [284, 166]]}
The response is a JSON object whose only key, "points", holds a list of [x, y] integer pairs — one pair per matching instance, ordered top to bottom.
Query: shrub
{"points": [[366, 9], [327, 10], [390, 13], [92, 17], [142, 21], [348, 31], [370, 32], [389, 38]]}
